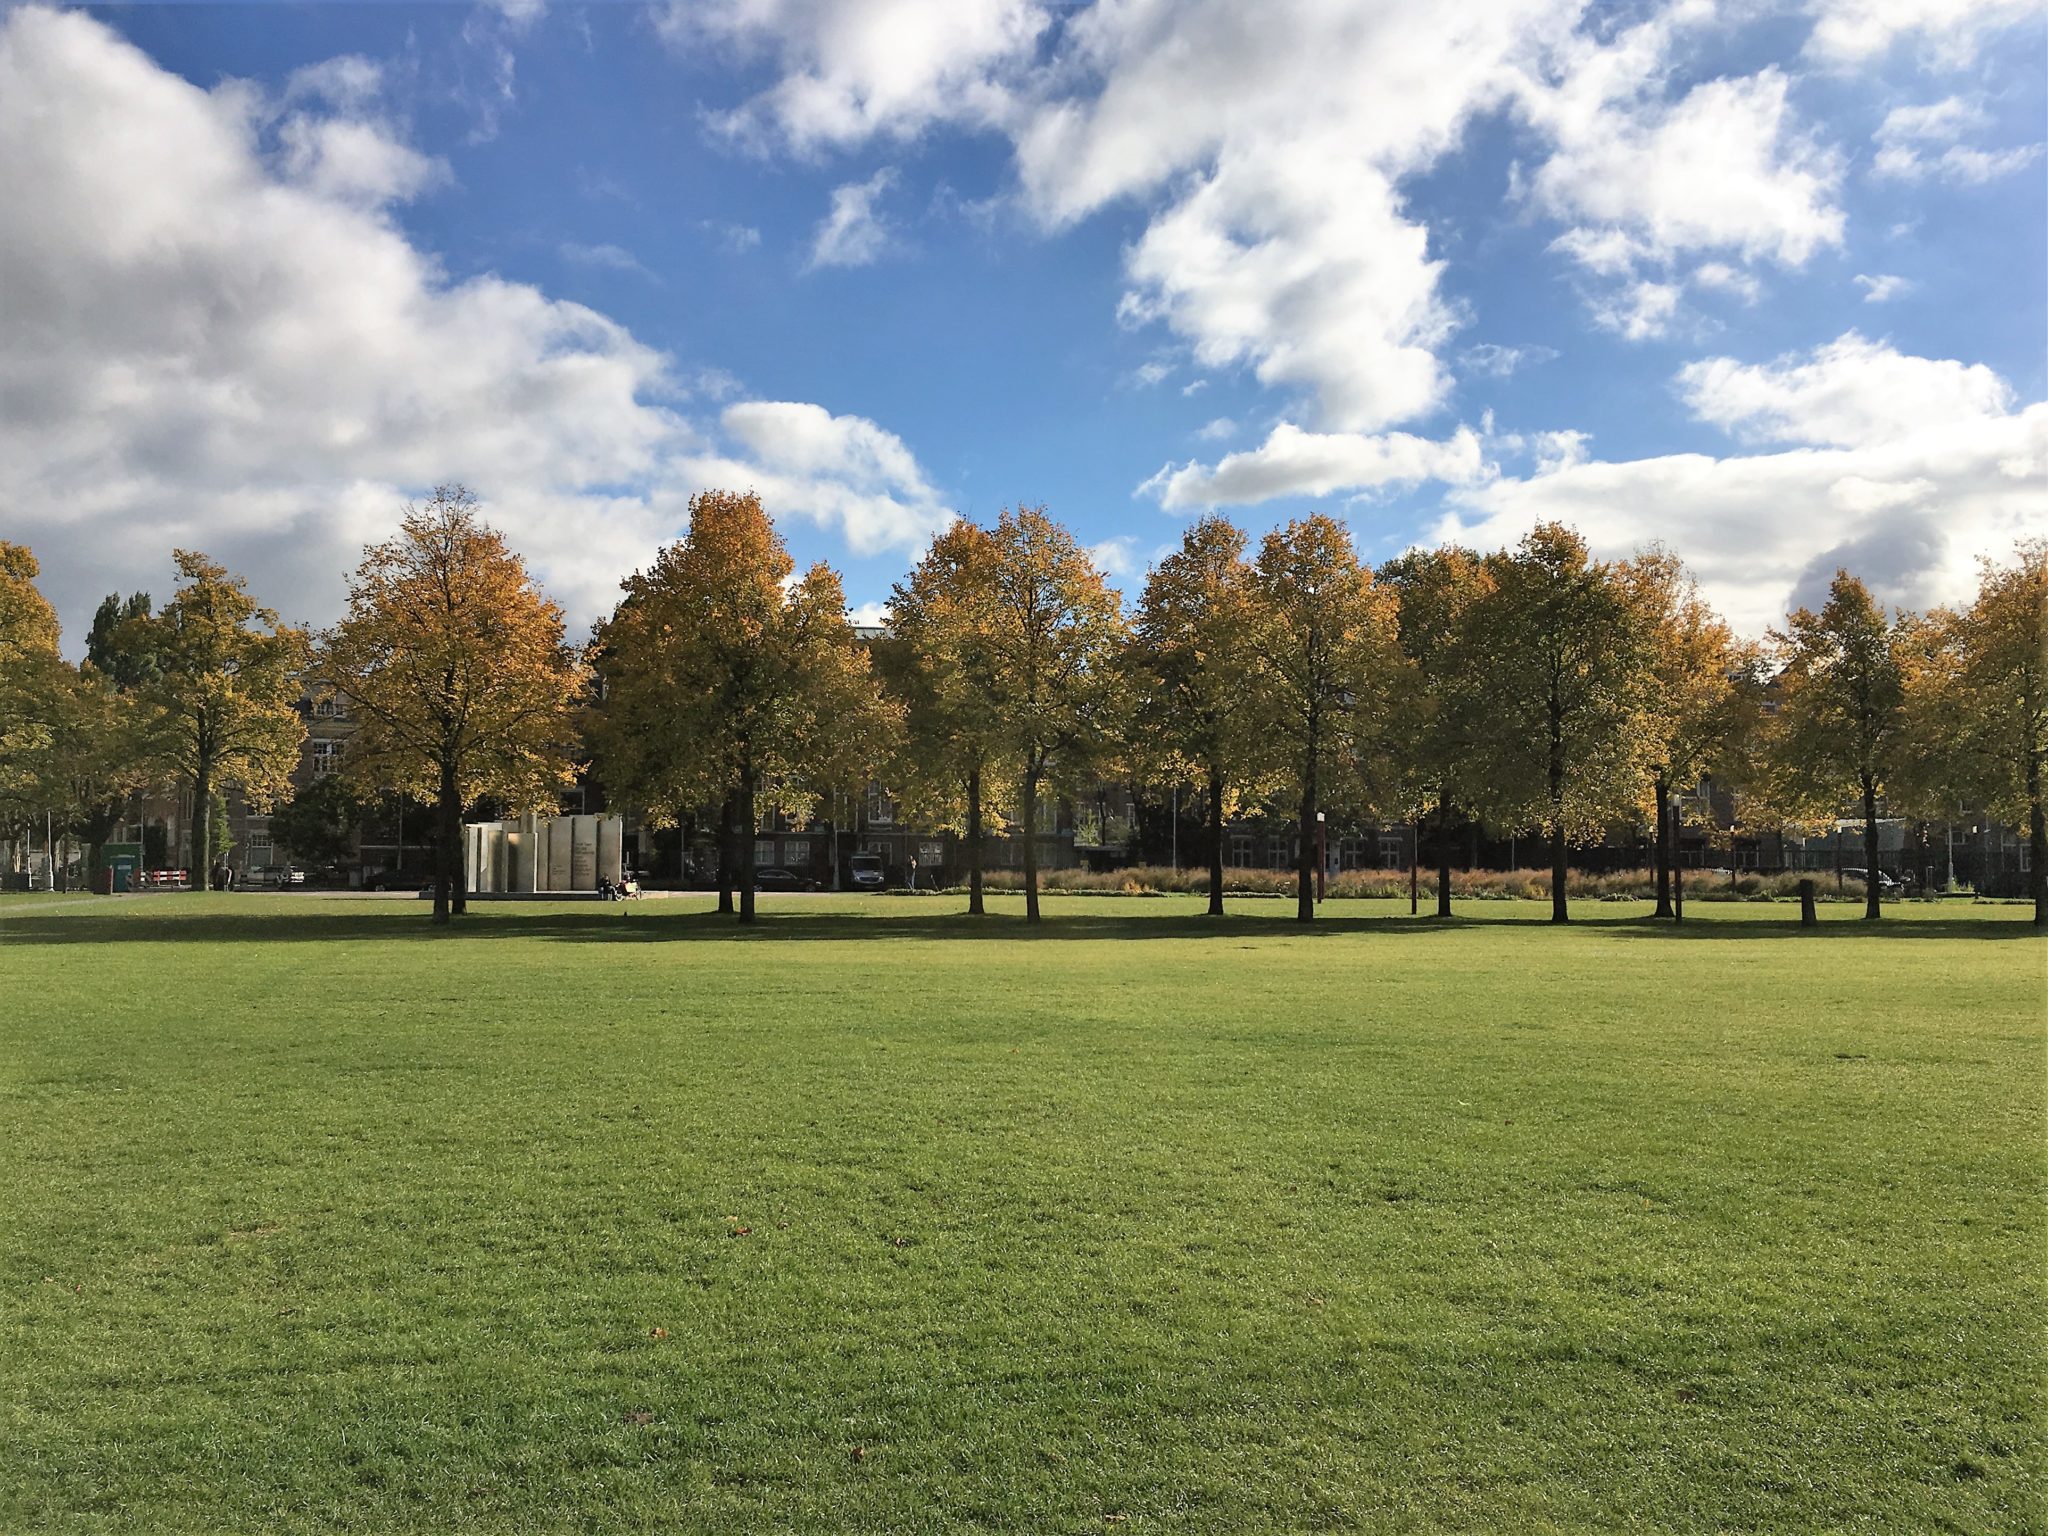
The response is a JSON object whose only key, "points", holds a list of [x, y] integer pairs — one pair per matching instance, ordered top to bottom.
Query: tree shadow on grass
{"points": [[636, 925], [657, 928], [1828, 930]]}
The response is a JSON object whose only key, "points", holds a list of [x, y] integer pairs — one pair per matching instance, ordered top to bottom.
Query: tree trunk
{"points": [[1676, 815], [448, 817], [1027, 820], [746, 835], [201, 837], [1215, 841], [2037, 842], [1663, 847], [1443, 853], [725, 858], [1305, 890], [458, 898], [975, 906], [1870, 907], [1559, 912]]}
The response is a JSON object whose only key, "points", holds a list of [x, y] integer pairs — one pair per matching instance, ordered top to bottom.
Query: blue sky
{"points": [[1764, 283]]}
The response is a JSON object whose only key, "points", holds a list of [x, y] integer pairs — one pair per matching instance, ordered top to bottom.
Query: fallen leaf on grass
{"points": [[739, 1231], [657, 1333], [636, 1416], [860, 1453]]}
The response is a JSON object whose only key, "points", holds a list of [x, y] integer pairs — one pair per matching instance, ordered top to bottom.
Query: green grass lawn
{"points": [[616, 1219]]}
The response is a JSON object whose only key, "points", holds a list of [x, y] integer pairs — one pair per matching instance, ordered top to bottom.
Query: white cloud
{"points": [[520, 13], [1947, 32], [855, 69], [348, 82], [1934, 122], [1277, 138], [1921, 143], [1267, 149], [354, 161], [1961, 164], [1725, 168], [1660, 187], [853, 233], [736, 238], [613, 258], [1308, 274], [1722, 278], [1882, 287], [1641, 311], [201, 345], [1498, 362], [1147, 374], [1194, 386], [1849, 393], [1217, 430], [1292, 462], [841, 472], [1908, 513], [1117, 557], [871, 615]]}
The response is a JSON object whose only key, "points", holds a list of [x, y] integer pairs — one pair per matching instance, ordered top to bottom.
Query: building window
{"points": [[326, 757], [881, 808], [259, 840], [796, 850], [1240, 850], [764, 851], [1276, 853], [931, 854]]}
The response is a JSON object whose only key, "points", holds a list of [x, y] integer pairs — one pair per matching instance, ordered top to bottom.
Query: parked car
{"points": [[867, 872], [772, 878], [1886, 885]]}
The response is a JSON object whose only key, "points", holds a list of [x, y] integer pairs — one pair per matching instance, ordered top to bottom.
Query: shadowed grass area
{"points": [[586, 1218]]}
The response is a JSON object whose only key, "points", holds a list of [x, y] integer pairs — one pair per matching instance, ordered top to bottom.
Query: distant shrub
{"points": [[1392, 884]]}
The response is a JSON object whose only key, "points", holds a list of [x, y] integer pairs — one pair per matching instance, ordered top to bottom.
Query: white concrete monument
{"points": [[542, 854]]}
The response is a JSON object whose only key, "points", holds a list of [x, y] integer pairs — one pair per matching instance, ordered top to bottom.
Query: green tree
{"points": [[1057, 632], [110, 644], [1325, 645], [1561, 660], [939, 661], [455, 665], [764, 687], [31, 688], [1191, 694], [1701, 695], [1841, 698], [1975, 699], [222, 710], [1441, 716], [101, 759], [318, 824]]}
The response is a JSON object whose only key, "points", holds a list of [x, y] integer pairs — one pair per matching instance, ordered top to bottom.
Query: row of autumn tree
{"points": [[1532, 689]]}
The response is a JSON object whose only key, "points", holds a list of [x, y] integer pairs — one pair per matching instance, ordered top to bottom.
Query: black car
{"points": [[773, 879]]}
